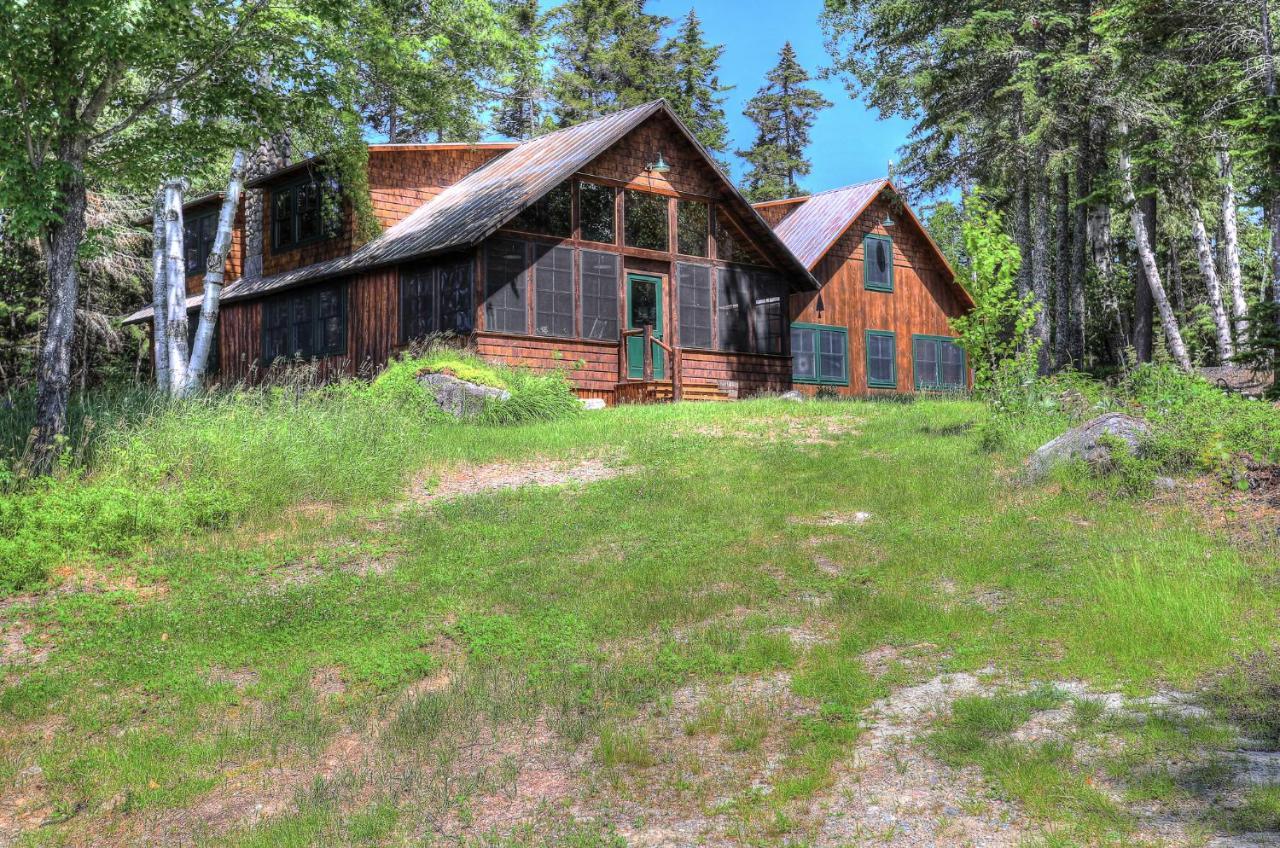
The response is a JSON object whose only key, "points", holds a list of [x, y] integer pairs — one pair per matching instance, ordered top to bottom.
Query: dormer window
{"points": [[305, 211]]}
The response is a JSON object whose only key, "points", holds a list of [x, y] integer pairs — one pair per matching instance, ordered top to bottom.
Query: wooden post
{"points": [[648, 353], [677, 377]]}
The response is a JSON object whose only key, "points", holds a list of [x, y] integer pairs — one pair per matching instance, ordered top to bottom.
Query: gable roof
{"points": [[821, 219]]}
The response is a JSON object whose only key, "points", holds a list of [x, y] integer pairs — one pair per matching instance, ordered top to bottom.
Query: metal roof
{"points": [[822, 218]]}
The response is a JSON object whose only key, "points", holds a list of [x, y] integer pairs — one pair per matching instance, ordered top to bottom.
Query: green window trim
{"points": [[867, 282], [818, 380], [892, 382], [938, 383]]}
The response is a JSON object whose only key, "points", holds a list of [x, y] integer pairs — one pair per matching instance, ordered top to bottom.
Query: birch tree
{"points": [[1231, 246], [1209, 273], [175, 313]]}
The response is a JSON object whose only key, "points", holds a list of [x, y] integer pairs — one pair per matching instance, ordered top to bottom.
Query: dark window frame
{"points": [[661, 201], [681, 205], [329, 212], [613, 212], [538, 217], [203, 242], [586, 282], [867, 282], [520, 285], [442, 308], [281, 313], [555, 318], [817, 329], [691, 332], [892, 382], [939, 383]]}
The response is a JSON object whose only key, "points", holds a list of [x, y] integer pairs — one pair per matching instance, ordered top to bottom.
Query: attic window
{"points": [[596, 213], [550, 215], [647, 225], [692, 227], [199, 232], [730, 245], [877, 263]]}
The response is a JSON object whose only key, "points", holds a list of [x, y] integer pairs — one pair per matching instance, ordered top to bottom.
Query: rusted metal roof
{"points": [[811, 230], [144, 314]]}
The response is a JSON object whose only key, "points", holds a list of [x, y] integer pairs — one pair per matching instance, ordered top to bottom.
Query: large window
{"points": [[305, 211], [596, 212], [551, 214], [646, 221], [692, 227], [199, 232], [730, 244], [877, 263], [504, 287], [694, 294], [553, 295], [599, 295], [435, 298], [733, 309], [750, 310], [768, 311], [305, 323], [820, 354], [882, 360], [939, 363]]}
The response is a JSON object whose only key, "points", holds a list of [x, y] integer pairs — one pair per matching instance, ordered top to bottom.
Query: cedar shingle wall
{"points": [[626, 161], [402, 180], [921, 301]]}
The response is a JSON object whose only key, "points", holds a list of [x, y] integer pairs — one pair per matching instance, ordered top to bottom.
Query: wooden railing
{"points": [[673, 358]]}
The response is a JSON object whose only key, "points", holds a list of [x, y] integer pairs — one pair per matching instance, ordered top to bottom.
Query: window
{"points": [[304, 212], [596, 212], [551, 214], [646, 221], [692, 227], [198, 234], [730, 245], [877, 263], [504, 287], [694, 293], [553, 295], [599, 295], [435, 298], [769, 298], [733, 309], [306, 323], [820, 354], [882, 360], [939, 363]]}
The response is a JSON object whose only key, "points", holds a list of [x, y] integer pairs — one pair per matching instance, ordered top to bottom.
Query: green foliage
{"points": [[697, 95], [783, 110], [1248, 694]]}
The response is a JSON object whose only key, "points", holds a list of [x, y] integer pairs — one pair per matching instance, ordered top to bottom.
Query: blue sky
{"points": [[849, 143]]}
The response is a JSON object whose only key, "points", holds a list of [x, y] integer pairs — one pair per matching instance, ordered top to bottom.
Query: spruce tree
{"points": [[608, 55], [696, 94], [783, 111], [519, 112]]}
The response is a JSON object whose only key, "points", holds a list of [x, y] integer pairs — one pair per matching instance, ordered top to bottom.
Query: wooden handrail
{"points": [[674, 358]]}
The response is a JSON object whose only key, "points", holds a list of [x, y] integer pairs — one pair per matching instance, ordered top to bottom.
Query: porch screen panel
{"points": [[694, 282], [504, 286], [553, 295], [599, 295], [417, 303], [733, 309], [767, 311], [456, 312]]}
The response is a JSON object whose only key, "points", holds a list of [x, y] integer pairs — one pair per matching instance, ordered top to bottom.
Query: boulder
{"points": [[792, 395], [460, 398], [592, 403], [1084, 442]]}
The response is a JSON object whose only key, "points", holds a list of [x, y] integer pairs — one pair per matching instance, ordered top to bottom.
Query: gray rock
{"points": [[792, 395], [458, 397], [592, 403], [1083, 443], [1165, 484]]}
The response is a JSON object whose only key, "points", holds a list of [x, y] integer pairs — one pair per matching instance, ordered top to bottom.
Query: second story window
{"points": [[306, 211], [646, 224], [199, 231]]}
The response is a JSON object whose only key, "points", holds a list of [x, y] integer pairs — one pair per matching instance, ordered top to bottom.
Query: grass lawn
{"points": [[685, 651]]}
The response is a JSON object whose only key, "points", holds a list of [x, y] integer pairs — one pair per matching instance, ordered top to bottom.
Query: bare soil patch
{"points": [[781, 429], [472, 480], [833, 519]]}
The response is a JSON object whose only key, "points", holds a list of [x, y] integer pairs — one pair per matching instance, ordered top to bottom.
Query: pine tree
{"points": [[608, 55], [696, 94], [783, 111], [519, 113]]}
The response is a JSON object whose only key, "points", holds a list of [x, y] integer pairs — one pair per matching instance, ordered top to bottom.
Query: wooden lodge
{"points": [[614, 250]]}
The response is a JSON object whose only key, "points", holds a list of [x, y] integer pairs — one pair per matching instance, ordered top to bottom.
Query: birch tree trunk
{"points": [[1231, 244], [1204, 253], [175, 270], [214, 274], [1175, 277], [159, 293], [1143, 303], [1173, 335]]}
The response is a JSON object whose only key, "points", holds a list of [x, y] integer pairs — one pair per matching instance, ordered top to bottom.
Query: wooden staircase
{"points": [[662, 391]]}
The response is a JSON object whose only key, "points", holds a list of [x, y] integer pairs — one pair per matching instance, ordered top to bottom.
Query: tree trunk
{"points": [[1272, 178], [1022, 233], [1231, 245], [61, 246], [1204, 253], [175, 270], [1040, 272], [214, 274], [1062, 276], [1175, 277], [159, 294], [1143, 312], [1173, 336]]}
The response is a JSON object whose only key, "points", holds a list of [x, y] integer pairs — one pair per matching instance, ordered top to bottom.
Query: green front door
{"points": [[644, 306]]}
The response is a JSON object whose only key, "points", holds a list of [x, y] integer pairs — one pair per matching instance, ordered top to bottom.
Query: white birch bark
{"points": [[1231, 243], [1204, 254], [175, 270], [214, 274], [159, 294], [1172, 334]]}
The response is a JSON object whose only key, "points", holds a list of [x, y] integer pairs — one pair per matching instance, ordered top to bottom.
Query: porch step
{"points": [[661, 391]]}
